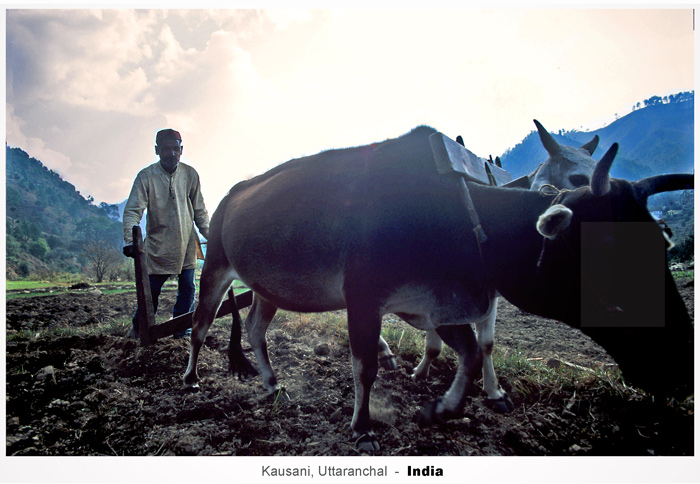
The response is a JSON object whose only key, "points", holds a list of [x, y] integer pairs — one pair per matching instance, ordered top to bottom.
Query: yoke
{"points": [[451, 158]]}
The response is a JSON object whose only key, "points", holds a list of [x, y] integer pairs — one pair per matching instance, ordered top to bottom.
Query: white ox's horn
{"points": [[550, 144], [591, 145], [600, 180], [647, 187]]}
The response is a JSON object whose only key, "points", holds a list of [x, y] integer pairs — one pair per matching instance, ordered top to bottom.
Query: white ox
{"points": [[566, 168]]}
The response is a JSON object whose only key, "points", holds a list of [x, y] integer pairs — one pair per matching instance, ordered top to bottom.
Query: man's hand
{"points": [[129, 250]]}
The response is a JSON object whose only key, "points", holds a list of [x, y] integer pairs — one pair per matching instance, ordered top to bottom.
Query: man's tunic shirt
{"points": [[172, 203]]}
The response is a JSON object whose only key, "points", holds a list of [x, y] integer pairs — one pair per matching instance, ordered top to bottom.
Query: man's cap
{"points": [[167, 134]]}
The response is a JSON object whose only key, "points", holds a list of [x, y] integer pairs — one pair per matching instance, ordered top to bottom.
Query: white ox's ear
{"points": [[555, 219]]}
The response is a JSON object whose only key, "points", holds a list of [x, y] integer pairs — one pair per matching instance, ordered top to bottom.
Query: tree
{"points": [[652, 101], [112, 211], [99, 228], [27, 231], [39, 248], [683, 252], [102, 258], [24, 269]]}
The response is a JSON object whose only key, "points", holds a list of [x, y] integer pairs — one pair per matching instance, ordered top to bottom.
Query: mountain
{"points": [[656, 138], [48, 222], [142, 223]]}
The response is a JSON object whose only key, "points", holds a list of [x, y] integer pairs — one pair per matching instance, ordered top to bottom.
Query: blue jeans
{"points": [[185, 294]]}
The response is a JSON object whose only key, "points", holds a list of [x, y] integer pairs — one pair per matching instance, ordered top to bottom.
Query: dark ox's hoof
{"points": [[388, 362], [242, 368], [279, 396], [500, 405], [431, 415], [367, 443]]}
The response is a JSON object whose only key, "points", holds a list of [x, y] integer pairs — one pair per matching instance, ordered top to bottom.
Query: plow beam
{"points": [[149, 331]]}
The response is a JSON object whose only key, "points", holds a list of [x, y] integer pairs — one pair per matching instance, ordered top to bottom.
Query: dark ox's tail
{"points": [[238, 363]]}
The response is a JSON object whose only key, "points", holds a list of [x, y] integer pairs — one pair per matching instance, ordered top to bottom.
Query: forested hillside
{"points": [[50, 227]]}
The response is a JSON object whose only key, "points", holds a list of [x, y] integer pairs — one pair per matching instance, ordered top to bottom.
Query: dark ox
{"points": [[566, 167], [377, 230]]}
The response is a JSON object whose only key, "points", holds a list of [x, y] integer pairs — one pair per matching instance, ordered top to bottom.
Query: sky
{"points": [[87, 89]]}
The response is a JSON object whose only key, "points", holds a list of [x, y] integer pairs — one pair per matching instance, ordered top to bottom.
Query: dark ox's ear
{"points": [[550, 144], [591, 145], [600, 180], [555, 219]]}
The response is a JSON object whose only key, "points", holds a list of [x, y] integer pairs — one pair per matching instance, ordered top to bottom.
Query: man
{"points": [[170, 193]]}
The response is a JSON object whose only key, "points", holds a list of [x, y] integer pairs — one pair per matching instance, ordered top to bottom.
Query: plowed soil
{"points": [[108, 395]]}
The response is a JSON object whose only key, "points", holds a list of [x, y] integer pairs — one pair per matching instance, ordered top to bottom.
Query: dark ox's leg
{"points": [[216, 279], [259, 318], [364, 327], [460, 338], [238, 364]]}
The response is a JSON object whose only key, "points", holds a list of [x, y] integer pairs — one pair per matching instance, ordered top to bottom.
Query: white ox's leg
{"points": [[485, 331], [461, 339], [485, 339], [433, 346], [386, 358], [497, 398]]}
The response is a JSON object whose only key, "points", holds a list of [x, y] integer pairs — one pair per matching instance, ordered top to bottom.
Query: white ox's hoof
{"points": [[388, 362], [419, 374], [500, 405]]}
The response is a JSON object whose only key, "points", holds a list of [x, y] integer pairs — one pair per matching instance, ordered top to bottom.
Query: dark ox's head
{"points": [[567, 167], [603, 266]]}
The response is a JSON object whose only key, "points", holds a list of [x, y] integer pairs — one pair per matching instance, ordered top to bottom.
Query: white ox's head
{"points": [[567, 167]]}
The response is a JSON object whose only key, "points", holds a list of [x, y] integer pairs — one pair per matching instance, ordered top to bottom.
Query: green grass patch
{"points": [[689, 274], [27, 285], [39, 289], [333, 324], [113, 327], [405, 340], [535, 379]]}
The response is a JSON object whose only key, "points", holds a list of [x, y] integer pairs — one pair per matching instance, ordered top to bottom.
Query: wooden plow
{"points": [[149, 331]]}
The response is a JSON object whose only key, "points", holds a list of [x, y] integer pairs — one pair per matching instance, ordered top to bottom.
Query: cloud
{"points": [[284, 18], [80, 57], [34, 146]]}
